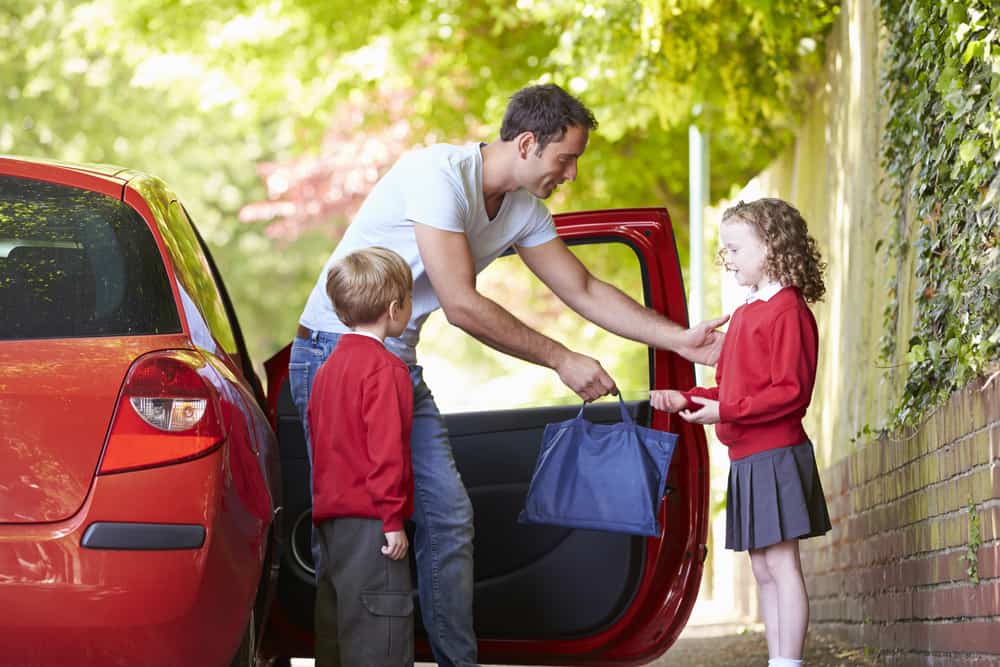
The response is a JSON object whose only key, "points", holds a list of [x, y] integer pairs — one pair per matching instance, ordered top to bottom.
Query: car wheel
{"points": [[246, 654], [274, 662]]}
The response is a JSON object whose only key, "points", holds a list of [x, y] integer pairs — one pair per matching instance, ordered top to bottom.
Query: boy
{"points": [[360, 414]]}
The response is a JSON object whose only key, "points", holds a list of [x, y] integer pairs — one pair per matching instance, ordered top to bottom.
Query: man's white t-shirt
{"points": [[440, 186]]}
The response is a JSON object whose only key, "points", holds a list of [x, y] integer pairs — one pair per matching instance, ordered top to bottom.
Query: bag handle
{"points": [[626, 417]]}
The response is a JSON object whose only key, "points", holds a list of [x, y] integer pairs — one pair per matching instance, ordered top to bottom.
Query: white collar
{"points": [[764, 293], [365, 333]]}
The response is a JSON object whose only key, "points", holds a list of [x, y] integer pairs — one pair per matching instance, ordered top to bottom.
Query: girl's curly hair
{"points": [[792, 256]]}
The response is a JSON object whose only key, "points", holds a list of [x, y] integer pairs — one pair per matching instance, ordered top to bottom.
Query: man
{"points": [[450, 211]]}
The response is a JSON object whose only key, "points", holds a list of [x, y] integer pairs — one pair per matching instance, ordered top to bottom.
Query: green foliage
{"points": [[647, 67], [77, 87], [941, 155]]}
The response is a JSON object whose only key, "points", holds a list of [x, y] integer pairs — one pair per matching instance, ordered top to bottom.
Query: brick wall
{"points": [[890, 575]]}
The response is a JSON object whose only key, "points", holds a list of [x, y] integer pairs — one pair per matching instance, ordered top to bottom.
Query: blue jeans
{"points": [[442, 511]]}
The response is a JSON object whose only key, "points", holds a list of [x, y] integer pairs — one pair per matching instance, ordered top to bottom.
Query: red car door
{"points": [[545, 594]]}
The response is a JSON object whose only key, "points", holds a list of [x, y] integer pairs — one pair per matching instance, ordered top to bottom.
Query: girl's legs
{"points": [[782, 561], [768, 593]]}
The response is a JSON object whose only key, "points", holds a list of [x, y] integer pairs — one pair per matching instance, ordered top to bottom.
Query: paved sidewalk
{"points": [[735, 646]]}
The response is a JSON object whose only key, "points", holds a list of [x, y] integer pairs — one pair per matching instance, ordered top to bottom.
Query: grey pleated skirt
{"points": [[775, 496]]}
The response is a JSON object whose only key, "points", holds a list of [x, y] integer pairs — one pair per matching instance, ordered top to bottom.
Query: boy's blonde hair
{"points": [[793, 257], [363, 283]]}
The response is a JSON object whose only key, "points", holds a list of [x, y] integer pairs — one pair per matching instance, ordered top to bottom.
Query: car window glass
{"points": [[76, 263], [195, 274], [466, 375]]}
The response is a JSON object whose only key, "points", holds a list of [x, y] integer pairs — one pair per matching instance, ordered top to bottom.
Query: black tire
{"points": [[246, 654], [274, 662]]}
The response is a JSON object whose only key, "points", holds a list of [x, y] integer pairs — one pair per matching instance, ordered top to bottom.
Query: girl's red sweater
{"points": [[765, 375]]}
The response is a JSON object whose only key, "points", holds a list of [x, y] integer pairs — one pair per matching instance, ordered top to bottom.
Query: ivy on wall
{"points": [[941, 157]]}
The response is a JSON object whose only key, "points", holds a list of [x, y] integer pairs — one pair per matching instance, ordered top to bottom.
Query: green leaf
{"points": [[960, 32], [973, 49], [969, 150], [952, 346]]}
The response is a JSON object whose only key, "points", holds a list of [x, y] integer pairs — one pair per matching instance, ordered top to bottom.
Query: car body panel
{"points": [[97, 178], [55, 413], [519, 604], [79, 606]]}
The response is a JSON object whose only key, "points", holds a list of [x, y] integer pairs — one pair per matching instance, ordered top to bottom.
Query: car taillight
{"points": [[167, 412]]}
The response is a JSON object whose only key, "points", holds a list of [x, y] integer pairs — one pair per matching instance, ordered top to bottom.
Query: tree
{"points": [[648, 68], [79, 88], [201, 92]]}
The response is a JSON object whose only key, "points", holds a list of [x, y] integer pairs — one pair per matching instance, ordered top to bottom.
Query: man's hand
{"points": [[702, 343], [585, 376], [667, 400], [707, 414], [396, 545]]}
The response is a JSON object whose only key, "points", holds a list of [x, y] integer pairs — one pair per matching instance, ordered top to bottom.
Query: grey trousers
{"points": [[374, 594]]}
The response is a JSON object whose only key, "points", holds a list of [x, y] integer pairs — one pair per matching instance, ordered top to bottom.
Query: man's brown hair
{"points": [[546, 111], [363, 283]]}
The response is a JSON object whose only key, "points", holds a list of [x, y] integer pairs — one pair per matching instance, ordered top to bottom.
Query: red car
{"points": [[140, 485], [545, 595]]}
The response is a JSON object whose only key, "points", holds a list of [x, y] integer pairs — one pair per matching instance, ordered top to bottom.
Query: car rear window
{"points": [[76, 263]]}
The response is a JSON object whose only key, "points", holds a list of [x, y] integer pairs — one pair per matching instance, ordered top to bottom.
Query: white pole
{"points": [[698, 188]]}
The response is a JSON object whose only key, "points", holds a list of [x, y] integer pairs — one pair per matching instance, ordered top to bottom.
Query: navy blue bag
{"points": [[600, 476]]}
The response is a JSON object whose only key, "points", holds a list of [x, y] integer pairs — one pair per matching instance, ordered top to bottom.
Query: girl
{"points": [[765, 379]]}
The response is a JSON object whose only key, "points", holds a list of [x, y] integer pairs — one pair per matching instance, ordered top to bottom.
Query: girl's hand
{"points": [[667, 400], [707, 414], [396, 545]]}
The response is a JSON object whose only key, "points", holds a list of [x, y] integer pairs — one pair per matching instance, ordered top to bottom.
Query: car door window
{"points": [[466, 375]]}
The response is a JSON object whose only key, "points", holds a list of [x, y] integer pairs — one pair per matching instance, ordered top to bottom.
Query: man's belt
{"points": [[304, 332]]}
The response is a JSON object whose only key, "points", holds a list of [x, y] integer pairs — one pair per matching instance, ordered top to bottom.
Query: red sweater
{"points": [[765, 375], [360, 415]]}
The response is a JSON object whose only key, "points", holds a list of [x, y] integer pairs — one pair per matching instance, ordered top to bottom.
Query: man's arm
{"points": [[450, 267], [611, 309]]}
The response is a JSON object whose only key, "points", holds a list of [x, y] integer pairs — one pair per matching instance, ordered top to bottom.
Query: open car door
{"points": [[543, 594]]}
